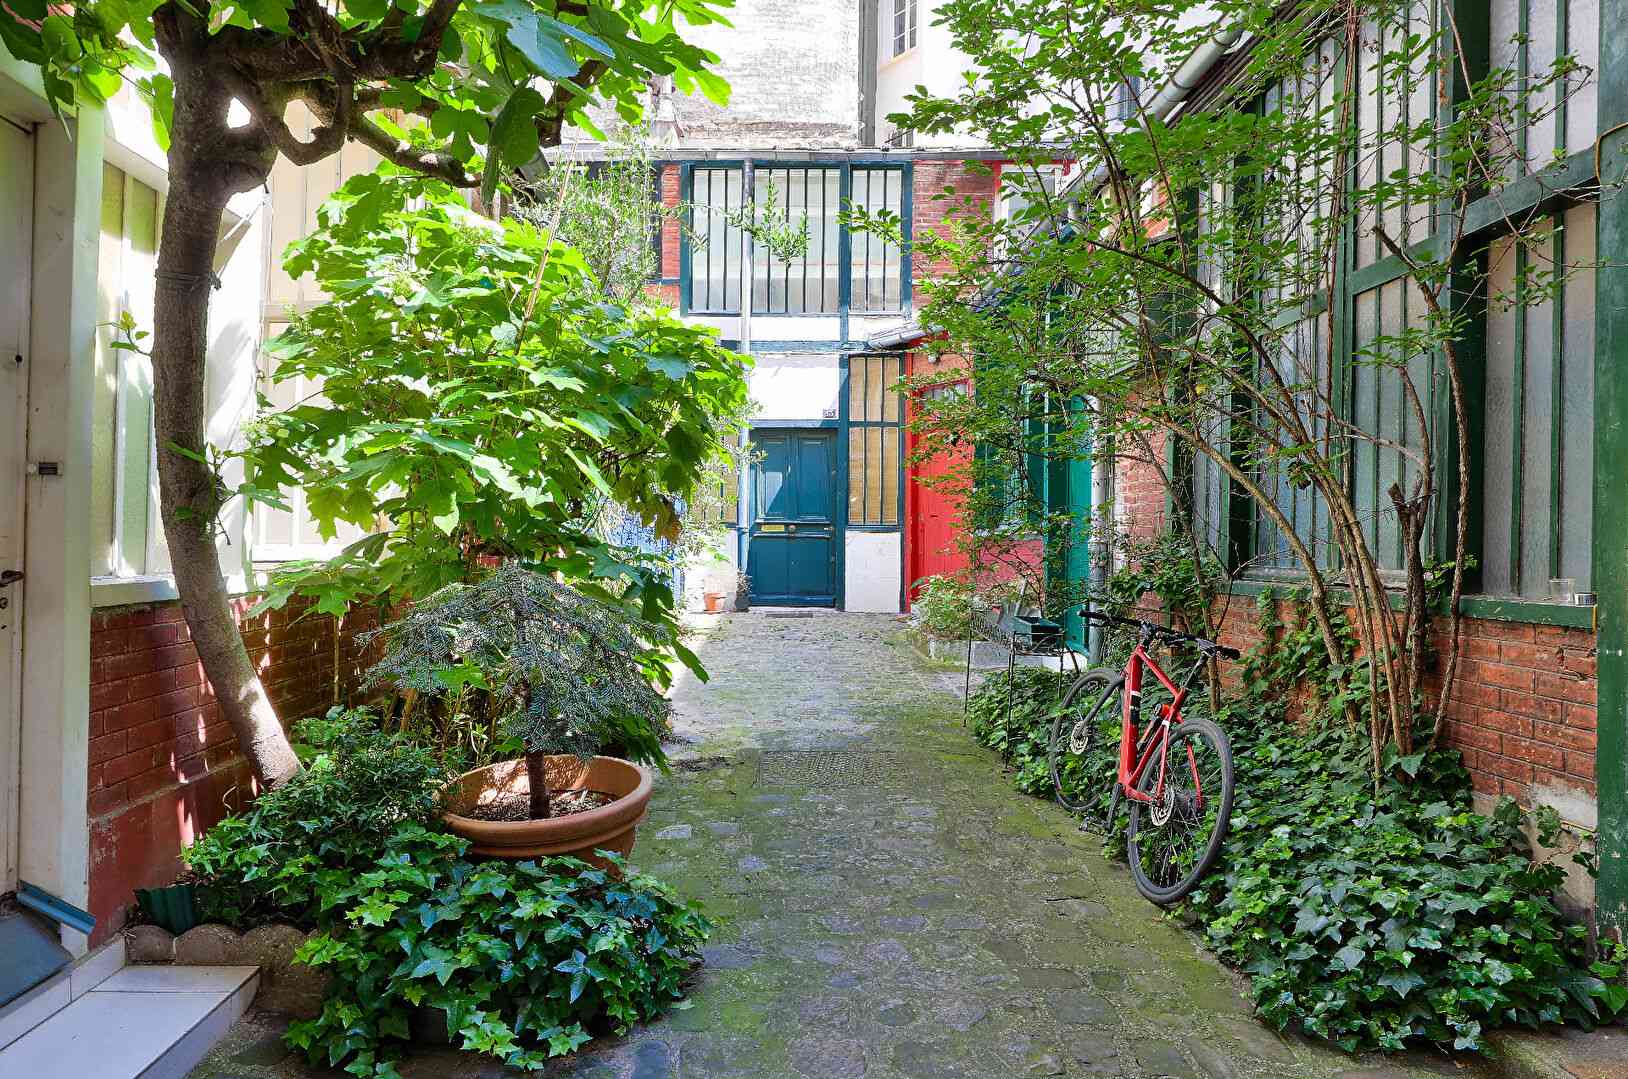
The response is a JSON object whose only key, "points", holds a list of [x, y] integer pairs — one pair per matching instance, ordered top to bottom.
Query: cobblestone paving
{"points": [[887, 905]]}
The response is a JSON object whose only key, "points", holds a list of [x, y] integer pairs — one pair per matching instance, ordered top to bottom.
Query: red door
{"points": [[933, 513]]}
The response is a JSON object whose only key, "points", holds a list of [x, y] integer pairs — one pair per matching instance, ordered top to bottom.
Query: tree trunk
{"points": [[208, 164], [537, 776]]}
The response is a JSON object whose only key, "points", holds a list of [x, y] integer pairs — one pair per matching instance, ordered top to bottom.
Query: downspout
{"points": [[1192, 72], [743, 345], [1102, 489]]}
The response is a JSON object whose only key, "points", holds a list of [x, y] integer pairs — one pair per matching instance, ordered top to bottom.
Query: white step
{"points": [[146, 1022]]}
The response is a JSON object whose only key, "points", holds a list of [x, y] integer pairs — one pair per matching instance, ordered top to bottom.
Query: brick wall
{"points": [[932, 209], [164, 764]]}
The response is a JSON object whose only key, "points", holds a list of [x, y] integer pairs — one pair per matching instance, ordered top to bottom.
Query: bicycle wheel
{"points": [[1077, 731], [1174, 841]]}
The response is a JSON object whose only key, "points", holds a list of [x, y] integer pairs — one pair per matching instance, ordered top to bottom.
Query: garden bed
{"points": [[1370, 921]]}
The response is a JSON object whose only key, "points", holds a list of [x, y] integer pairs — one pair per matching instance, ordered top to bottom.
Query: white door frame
{"points": [[16, 248], [53, 822]]}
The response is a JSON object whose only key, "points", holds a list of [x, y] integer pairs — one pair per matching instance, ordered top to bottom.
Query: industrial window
{"points": [[904, 26], [1558, 118], [715, 240], [876, 264], [808, 283], [874, 432], [1537, 453], [127, 537]]}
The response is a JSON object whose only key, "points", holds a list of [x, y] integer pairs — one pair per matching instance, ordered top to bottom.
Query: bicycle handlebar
{"points": [[1153, 630]]}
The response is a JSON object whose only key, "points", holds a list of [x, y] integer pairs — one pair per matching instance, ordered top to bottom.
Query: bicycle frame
{"points": [[1132, 766]]}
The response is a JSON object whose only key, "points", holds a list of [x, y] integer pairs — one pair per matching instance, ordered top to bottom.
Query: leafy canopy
{"points": [[466, 76], [478, 398]]}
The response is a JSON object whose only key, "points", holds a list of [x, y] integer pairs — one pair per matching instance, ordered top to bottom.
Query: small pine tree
{"points": [[561, 666]]}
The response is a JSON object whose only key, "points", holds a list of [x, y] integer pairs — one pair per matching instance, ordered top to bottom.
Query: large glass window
{"points": [[903, 26], [716, 202], [878, 277], [808, 283], [875, 416], [1537, 453], [127, 537]]}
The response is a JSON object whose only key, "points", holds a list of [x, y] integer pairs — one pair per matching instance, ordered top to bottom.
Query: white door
{"points": [[16, 246]]}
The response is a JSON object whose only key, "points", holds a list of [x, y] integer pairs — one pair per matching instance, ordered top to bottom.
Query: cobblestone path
{"points": [[889, 907]]}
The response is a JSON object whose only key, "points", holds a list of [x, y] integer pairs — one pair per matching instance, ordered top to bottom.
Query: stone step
{"points": [[144, 1022]]}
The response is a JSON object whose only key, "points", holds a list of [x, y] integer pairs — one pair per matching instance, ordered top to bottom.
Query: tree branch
{"points": [[440, 166]]}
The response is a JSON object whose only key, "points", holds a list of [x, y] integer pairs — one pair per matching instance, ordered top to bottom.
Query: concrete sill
{"points": [[124, 591]]}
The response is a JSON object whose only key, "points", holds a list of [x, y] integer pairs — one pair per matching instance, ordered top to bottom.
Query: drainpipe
{"points": [[1192, 71], [744, 346], [1102, 487]]}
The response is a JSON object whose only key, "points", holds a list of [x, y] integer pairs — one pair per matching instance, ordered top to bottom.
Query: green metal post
{"points": [[1610, 556]]}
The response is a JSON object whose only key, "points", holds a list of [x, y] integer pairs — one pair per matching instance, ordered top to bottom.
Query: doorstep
{"points": [[140, 1023]]}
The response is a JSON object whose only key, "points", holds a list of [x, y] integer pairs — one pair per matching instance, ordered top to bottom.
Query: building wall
{"points": [[935, 63], [164, 765]]}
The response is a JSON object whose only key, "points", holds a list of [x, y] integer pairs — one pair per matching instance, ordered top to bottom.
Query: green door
{"points": [[792, 543]]}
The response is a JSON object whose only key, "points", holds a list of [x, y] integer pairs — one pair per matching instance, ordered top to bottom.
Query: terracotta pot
{"points": [[714, 602], [610, 827]]}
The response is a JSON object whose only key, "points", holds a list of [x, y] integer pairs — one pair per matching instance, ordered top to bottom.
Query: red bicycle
{"points": [[1176, 774]]}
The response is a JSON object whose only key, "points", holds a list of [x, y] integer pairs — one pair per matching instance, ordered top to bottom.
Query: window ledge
{"points": [[125, 591], [1513, 609]]}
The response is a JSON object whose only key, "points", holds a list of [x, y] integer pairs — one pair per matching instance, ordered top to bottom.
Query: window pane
{"points": [[805, 197], [715, 247], [877, 269], [109, 302], [874, 475], [890, 475], [1537, 483]]}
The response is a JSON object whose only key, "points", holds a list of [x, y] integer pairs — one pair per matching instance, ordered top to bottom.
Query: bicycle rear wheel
{"points": [[1077, 731], [1174, 841]]}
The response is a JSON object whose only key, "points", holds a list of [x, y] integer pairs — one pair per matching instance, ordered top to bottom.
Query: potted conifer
{"points": [[562, 668]]}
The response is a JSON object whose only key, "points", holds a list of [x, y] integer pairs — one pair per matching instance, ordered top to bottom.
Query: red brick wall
{"points": [[933, 209], [669, 226], [1140, 495], [1522, 708], [164, 765]]}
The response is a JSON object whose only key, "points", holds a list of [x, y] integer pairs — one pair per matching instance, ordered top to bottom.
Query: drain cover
{"points": [[788, 614], [829, 768]]}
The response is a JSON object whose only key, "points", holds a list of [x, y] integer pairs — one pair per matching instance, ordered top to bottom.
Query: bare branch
{"points": [[438, 165]]}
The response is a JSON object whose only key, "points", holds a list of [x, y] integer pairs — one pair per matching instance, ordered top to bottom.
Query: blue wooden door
{"points": [[792, 545]]}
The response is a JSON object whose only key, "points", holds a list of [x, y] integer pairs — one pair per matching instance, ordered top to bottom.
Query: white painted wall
{"points": [[935, 63], [796, 386], [872, 575]]}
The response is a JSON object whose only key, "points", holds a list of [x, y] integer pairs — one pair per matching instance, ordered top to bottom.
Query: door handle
{"points": [[791, 528], [9, 576]]}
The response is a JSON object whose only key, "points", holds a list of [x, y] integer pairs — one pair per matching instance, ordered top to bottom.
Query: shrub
{"points": [[946, 608], [283, 857], [1371, 922], [525, 961]]}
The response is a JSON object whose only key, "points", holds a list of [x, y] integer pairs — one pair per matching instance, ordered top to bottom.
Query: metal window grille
{"points": [[715, 243], [876, 263], [809, 283], [875, 427]]}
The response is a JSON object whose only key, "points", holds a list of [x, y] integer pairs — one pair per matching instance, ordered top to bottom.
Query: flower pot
{"points": [[714, 602], [610, 827], [174, 908]]}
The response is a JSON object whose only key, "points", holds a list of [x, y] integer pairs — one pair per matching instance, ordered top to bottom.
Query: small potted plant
{"points": [[743, 592], [561, 668]]}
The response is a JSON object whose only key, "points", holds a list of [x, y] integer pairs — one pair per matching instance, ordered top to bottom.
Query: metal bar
{"points": [[1562, 33], [1521, 60], [786, 203], [1557, 367], [1518, 409]]}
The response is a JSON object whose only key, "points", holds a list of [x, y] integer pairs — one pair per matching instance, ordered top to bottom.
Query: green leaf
{"points": [[536, 36]]}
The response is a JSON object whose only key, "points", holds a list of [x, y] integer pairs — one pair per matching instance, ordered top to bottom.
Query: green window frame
{"points": [[875, 432]]}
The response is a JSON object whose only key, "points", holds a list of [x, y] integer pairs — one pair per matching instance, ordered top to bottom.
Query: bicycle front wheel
{"points": [[1077, 731], [1175, 839]]}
